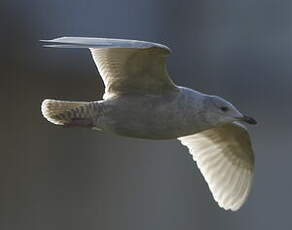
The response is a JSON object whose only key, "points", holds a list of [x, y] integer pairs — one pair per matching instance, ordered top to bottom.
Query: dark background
{"points": [[55, 178]]}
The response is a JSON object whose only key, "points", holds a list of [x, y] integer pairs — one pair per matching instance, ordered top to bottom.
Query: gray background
{"points": [[55, 178]]}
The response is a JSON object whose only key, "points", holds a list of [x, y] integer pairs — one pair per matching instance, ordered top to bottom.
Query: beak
{"points": [[248, 120]]}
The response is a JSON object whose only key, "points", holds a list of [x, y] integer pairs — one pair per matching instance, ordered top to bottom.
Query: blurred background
{"points": [[56, 178]]}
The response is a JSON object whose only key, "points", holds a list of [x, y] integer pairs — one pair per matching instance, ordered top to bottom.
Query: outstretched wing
{"points": [[126, 66], [225, 157]]}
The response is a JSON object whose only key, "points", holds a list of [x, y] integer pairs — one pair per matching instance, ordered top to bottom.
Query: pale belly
{"points": [[151, 117]]}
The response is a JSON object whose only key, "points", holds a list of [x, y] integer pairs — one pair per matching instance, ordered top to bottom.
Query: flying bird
{"points": [[142, 101]]}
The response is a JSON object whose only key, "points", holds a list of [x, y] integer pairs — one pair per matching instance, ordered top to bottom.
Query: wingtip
{"points": [[43, 40], [47, 40], [53, 40]]}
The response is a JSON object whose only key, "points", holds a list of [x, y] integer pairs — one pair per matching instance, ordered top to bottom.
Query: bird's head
{"points": [[221, 111]]}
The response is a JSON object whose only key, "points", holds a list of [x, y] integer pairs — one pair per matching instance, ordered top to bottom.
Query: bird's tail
{"points": [[67, 113]]}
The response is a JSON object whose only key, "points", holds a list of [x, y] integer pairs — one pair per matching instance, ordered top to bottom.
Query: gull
{"points": [[141, 101]]}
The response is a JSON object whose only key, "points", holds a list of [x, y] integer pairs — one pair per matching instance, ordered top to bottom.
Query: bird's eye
{"points": [[224, 108]]}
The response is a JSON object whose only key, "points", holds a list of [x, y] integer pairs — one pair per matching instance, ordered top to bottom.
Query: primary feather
{"points": [[88, 42]]}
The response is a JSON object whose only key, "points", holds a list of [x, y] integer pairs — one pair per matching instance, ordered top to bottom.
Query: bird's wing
{"points": [[126, 66], [225, 157]]}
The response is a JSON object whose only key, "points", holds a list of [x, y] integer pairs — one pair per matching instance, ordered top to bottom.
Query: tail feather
{"points": [[63, 112]]}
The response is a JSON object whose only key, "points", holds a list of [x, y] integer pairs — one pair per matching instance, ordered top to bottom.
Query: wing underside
{"points": [[225, 158]]}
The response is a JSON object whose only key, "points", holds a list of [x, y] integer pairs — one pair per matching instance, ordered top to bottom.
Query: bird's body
{"points": [[141, 101], [152, 116]]}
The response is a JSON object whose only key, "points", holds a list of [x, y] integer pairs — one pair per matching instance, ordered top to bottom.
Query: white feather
{"points": [[225, 158]]}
